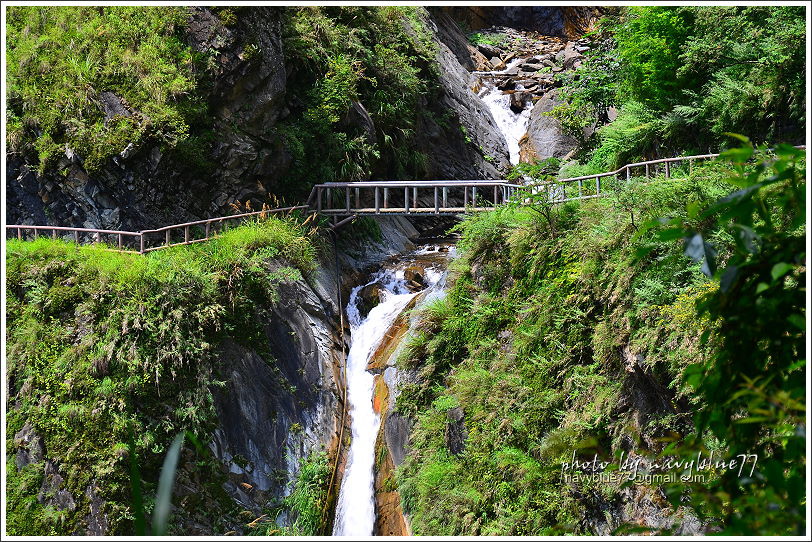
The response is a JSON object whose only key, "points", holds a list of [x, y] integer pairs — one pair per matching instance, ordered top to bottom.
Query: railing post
{"points": [[667, 170], [647, 171], [628, 174], [597, 185], [580, 189], [495, 195], [445, 196], [385, 197], [414, 197], [465, 197], [473, 197], [347, 198], [357, 198], [406, 199], [318, 200], [377, 201], [436, 201], [208, 229], [53, 233], [186, 234], [76, 236], [168, 236], [120, 240], [141, 243]]}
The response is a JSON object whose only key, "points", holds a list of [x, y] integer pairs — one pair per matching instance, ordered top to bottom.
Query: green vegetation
{"points": [[497, 39], [380, 58], [60, 60], [681, 77], [760, 308], [576, 328], [103, 343], [306, 502]]}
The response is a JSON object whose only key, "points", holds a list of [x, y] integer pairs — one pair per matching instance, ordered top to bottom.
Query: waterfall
{"points": [[512, 125], [355, 511]]}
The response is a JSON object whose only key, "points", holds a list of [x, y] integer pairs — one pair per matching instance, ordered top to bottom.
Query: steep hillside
{"points": [[126, 118], [577, 333]]}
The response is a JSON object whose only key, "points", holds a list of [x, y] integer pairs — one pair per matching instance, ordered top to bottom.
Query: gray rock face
{"points": [[247, 98], [545, 137], [458, 151], [275, 412], [455, 432]]}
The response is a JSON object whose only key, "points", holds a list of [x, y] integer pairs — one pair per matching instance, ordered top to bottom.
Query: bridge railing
{"points": [[372, 197], [410, 197], [198, 231]]}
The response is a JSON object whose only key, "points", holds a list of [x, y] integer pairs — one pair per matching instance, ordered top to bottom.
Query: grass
{"points": [[61, 58], [100, 341], [531, 343]]}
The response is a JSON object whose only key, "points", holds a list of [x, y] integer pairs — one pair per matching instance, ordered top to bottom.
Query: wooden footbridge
{"points": [[352, 199]]}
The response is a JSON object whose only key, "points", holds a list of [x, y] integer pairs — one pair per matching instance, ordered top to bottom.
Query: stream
{"points": [[513, 125], [395, 287]]}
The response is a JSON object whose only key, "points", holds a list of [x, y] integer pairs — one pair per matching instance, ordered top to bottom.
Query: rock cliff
{"points": [[247, 96]]}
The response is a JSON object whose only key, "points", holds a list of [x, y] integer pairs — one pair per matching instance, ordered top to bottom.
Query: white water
{"points": [[512, 125], [355, 512]]}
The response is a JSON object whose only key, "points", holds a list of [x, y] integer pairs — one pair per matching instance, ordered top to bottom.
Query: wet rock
{"points": [[518, 101], [415, 273], [369, 297], [397, 430]]}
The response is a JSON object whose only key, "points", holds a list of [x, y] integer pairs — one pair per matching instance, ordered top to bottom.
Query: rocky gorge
{"points": [[379, 375]]}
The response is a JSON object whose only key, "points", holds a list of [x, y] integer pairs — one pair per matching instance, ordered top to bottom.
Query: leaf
{"points": [[670, 234], [747, 238], [700, 251], [780, 269], [728, 278], [761, 287], [797, 320], [163, 499]]}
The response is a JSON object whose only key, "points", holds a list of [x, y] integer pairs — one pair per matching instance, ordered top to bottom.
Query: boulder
{"points": [[489, 50], [497, 63], [545, 138], [414, 273], [368, 298]]}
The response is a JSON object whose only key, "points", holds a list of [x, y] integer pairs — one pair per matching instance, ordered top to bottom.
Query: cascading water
{"points": [[512, 125], [355, 512]]}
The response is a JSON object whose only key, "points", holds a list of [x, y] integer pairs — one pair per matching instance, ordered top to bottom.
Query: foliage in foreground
{"points": [[558, 336], [102, 343], [753, 388]]}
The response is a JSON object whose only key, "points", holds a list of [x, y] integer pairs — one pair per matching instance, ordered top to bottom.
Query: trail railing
{"points": [[352, 199], [143, 241]]}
